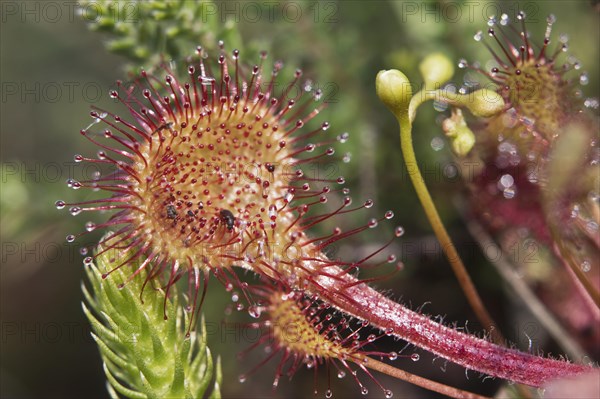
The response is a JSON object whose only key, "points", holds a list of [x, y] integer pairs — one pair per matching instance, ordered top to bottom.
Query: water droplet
{"points": [[504, 19], [551, 19], [478, 36], [563, 38], [462, 63], [584, 79], [591, 103], [440, 106], [342, 138], [437, 143], [347, 157], [78, 158], [450, 171], [341, 180], [506, 181], [509, 192], [288, 197], [368, 203], [60, 204], [75, 210], [272, 212], [389, 214], [373, 223], [90, 226], [399, 231], [70, 238], [391, 259], [88, 261], [586, 266], [235, 297], [254, 311], [371, 337], [393, 355], [415, 357], [341, 374], [242, 378], [364, 390], [328, 393], [388, 394]]}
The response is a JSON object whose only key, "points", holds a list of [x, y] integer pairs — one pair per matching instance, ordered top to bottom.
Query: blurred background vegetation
{"points": [[53, 68]]}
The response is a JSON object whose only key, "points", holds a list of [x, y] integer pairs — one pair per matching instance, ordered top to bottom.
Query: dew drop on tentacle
{"points": [[399, 231]]}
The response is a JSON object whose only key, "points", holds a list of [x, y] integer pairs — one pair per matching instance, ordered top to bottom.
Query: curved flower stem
{"points": [[419, 98], [438, 227], [417, 380]]}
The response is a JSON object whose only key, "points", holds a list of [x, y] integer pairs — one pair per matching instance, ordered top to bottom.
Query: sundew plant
{"points": [[242, 187]]}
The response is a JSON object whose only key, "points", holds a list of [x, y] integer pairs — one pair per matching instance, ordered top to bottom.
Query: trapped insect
{"points": [[227, 218]]}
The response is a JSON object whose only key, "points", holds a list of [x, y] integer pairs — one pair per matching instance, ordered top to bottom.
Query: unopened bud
{"points": [[394, 90]]}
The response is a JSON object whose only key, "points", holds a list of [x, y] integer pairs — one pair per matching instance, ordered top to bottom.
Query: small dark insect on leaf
{"points": [[163, 126], [171, 212], [227, 218]]}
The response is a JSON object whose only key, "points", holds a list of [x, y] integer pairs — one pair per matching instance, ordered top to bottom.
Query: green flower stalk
{"points": [[394, 90], [144, 355]]}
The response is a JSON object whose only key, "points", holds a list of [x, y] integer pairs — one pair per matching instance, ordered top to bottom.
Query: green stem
{"points": [[438, 227]]}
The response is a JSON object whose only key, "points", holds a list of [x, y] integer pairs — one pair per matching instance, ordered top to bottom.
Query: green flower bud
{"points": [[436, 69], [394, 90], [484, 103], [456, 128]]}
